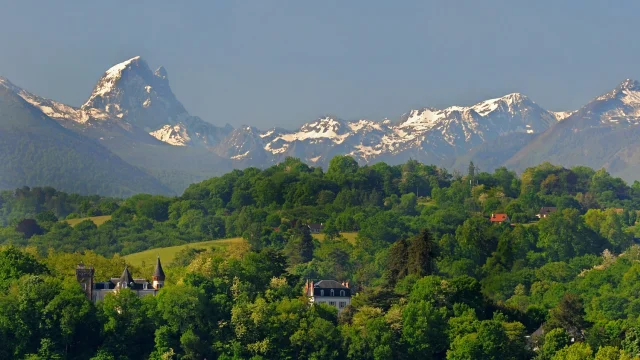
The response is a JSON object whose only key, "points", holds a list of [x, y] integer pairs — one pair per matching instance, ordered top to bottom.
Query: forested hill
{"points": [[36, 150], [381, 202], [435, 278]]}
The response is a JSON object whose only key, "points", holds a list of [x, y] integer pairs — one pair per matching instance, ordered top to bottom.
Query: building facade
{"points": [[546, 211], [97, 291], [329, 292]]}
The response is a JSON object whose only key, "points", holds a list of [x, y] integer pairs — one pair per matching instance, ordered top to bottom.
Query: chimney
{"points": [[347, 284], [306, 288], [311, 288]]}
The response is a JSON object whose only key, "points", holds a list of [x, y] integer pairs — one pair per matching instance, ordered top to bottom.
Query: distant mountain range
{"points": [[132, 125]]}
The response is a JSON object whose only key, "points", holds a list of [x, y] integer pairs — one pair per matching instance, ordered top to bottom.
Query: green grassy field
{"points": [[98, 220], [349, 236], [167, 254]]}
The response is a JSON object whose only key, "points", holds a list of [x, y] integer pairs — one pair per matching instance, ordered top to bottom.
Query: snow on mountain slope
{"points": [[108, 82], [132, 92], [131, 96], [620, 105], [52, 108], [59, 111], [561, 115], [91, 122], [428, 132], [603, 133], [172, 134], [319, 140], [246, 145]]}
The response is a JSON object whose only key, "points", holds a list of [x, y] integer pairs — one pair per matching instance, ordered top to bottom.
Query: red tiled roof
{"points": [[498, 217]]}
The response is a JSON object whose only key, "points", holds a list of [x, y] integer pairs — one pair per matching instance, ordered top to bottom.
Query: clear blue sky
{"points": [[267, 63]]}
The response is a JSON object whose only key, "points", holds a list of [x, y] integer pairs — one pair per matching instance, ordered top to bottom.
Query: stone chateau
{"points": [[96, 291]]}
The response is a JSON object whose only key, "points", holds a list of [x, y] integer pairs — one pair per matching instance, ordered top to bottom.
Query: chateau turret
{"points": [[158, 275], [96, 291]]}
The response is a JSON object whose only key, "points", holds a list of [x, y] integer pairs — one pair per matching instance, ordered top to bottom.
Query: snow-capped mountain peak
{"points": [[108, 82], [628, 87], [131, 91], [133, 96], [510, 102], [509, 105], [618, 106], [326, 124], [324, 128]]}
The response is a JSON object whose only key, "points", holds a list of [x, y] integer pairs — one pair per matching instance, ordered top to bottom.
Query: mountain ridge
{"points": [[134, 113], [597, 135], [35, 150]]}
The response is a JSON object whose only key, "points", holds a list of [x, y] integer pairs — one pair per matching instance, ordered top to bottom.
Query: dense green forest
{"points": [[434, 278]]}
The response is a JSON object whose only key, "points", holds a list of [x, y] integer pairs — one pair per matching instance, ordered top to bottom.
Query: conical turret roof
{"points": [[158, 272], [126, 279]]}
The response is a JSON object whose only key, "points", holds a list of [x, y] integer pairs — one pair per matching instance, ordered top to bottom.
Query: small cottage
{"points": [[545, 211], [500, 219], [315, 228]]}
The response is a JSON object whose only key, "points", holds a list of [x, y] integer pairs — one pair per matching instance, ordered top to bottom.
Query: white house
{"points": [[329, 292]]}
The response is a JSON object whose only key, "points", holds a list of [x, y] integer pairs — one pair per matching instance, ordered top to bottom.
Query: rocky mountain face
{"points": [[132, 92], [134, 113], [603, 133], [35, 150]]}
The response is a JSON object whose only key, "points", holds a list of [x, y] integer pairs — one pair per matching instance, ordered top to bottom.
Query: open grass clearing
{"points": [[98, 220]]}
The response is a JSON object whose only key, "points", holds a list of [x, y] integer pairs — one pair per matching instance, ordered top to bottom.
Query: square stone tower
{"points": [[84, 275]]}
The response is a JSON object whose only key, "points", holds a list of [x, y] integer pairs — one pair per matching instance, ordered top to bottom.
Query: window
{"points": [[321, 292], [342, 293], [332, 294], [332, 303], [343, 304]]}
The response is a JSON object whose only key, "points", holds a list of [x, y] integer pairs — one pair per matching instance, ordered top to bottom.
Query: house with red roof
{"points": [[500, 219]]}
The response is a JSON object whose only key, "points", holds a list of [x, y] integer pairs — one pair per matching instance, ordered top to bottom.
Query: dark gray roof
{"points": [[158, 271], [126, 277], [328, 284], [538, 332]]}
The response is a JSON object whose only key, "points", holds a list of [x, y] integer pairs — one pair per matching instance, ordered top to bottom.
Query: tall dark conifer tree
{"points": [[299, 249], [421, 254], [397, 267]]}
